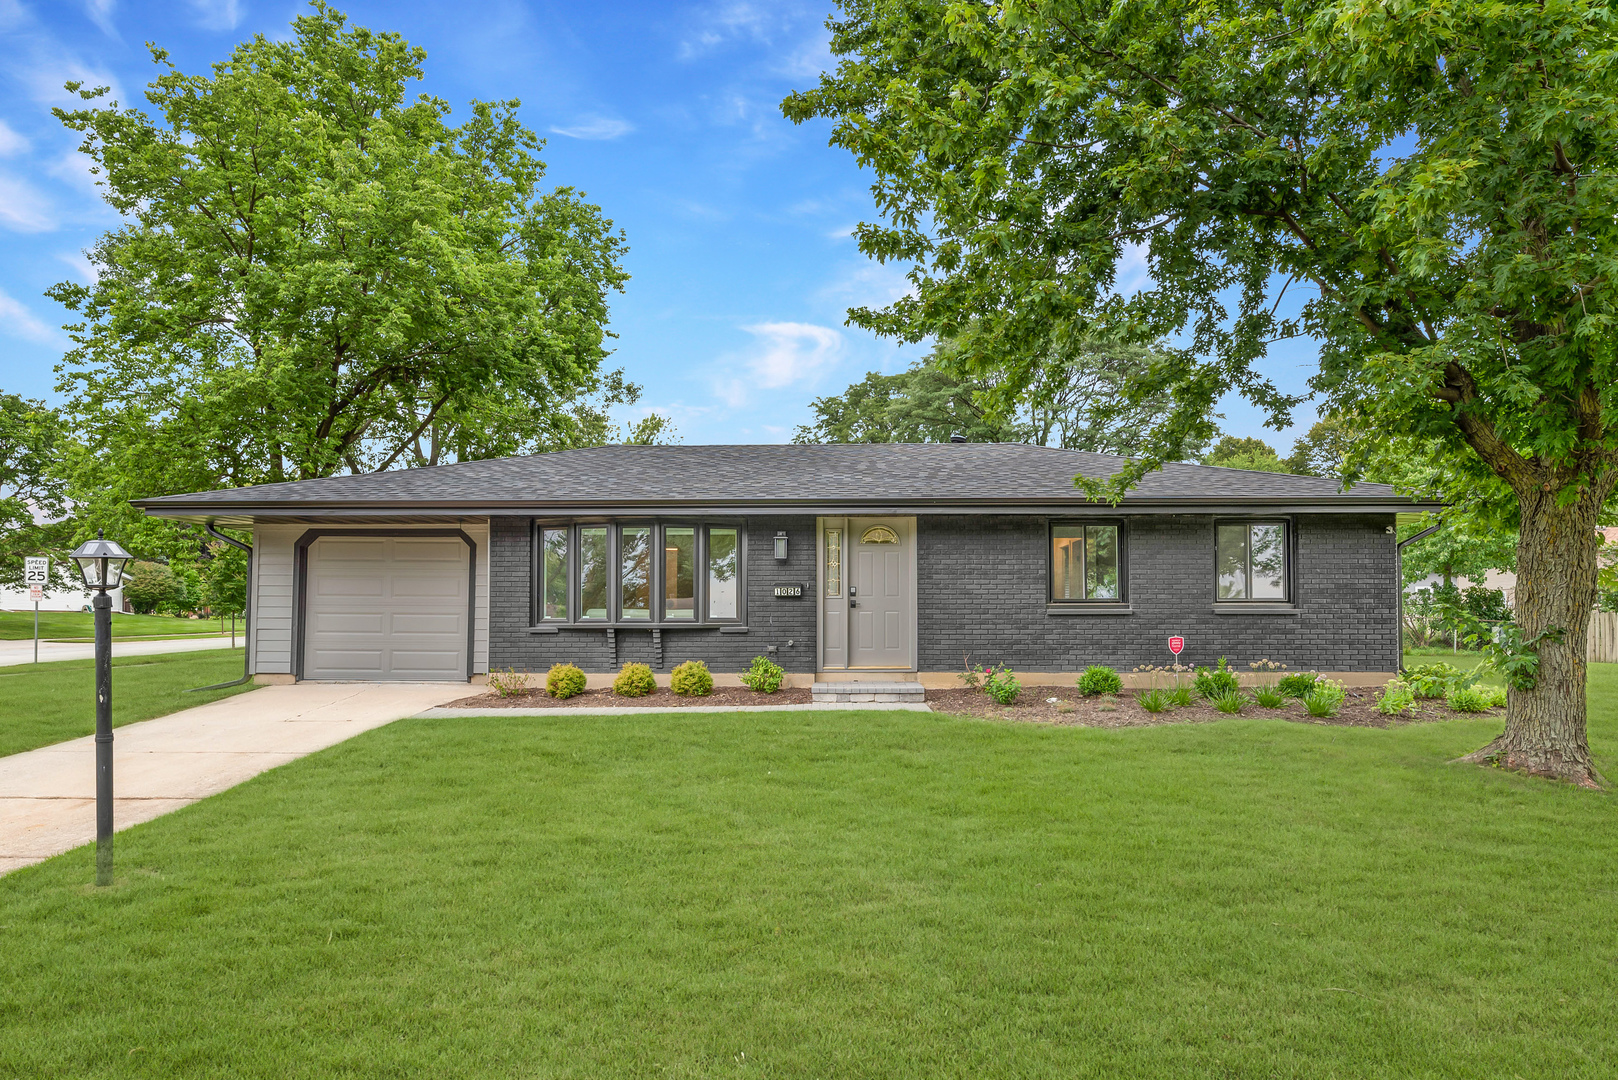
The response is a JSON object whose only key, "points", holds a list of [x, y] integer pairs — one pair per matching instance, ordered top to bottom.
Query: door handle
{"points": [[853, 603]]}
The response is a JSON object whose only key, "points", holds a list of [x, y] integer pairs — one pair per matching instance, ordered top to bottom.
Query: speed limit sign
{"points": [[36, 570]]}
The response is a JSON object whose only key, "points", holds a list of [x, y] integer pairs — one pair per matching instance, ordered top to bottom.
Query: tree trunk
{"points": [[1556, 590]]}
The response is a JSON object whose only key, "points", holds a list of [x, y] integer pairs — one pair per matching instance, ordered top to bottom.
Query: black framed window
{"points": [[1251, 561], [1087, 562], [648, 572], [592, 573], [680, 573], [553, 575]]}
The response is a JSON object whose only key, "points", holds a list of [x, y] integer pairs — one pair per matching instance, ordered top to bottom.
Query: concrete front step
{"points": [[833, 693]]}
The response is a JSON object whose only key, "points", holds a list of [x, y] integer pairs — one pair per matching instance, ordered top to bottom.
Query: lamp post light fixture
{"points": [[101, 565]]}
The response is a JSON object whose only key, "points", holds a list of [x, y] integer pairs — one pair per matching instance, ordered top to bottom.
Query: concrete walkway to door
{"points": [[47, 796]]}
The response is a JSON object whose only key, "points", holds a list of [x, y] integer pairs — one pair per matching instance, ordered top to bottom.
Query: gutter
{"points": [[1399, 574], [247, 615]]}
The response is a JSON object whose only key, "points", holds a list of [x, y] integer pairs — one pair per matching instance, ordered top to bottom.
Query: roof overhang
{"points": [[220, 512]]}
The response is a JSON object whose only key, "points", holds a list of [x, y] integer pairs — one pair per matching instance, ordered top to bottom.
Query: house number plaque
{"points": [[792, 591]]}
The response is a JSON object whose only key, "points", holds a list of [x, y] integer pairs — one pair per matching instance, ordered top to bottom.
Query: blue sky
{"points": [[667, 115]]}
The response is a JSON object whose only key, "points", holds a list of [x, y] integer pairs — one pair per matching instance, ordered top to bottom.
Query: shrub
{"points": [[151, 586], [765, 675], [691, 679], [1099, 679], [634, 680], [1436, 680], [564, 681], [1211, 682], [508, 683], [1297, 684], [1002, 685], [1180, 697], [1269, 697], [1497, 697], [1325, 698], [1396, 698], [1468, 698], [1154, 700], [1228, 701]]}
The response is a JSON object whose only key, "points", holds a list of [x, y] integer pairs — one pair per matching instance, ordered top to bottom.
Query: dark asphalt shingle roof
{"points": [[970, 473]]}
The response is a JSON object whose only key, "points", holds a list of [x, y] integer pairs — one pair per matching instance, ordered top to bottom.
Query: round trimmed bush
{"points": [[765, 676], [691, 679], [1100, 679], [635, 680], [564, 681]]}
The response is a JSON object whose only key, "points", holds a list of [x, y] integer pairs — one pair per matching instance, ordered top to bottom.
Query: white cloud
{"points": [[100, 12], [217, 14], [723, 23], [596, 128], [10, 141], [22, 209], [82, 267], [1133, 271], [871, 284], [18, 321], [788, 353]]}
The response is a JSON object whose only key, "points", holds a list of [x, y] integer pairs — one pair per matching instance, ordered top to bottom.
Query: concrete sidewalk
{"points": [[22, 652], [47, 796]]}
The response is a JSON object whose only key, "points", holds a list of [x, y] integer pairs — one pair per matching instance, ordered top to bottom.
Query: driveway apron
{"points": [[47, 796]]}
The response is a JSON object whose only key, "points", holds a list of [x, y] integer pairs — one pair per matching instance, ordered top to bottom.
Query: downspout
{"points": [[1399, 573], [247, 615]]}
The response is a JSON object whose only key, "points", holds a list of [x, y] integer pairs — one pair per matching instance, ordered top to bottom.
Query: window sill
{"points": [[1089, 609], [1256, 609], [557, 628]]}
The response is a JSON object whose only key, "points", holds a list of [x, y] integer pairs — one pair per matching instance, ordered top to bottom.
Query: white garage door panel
{"points": [[387, 609]]}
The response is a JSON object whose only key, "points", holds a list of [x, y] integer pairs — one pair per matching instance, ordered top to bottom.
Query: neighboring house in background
{"points": [[885, 561], [1504, 580], [56, 599]]}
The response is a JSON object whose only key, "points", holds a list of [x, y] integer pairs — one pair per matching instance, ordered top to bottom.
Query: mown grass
{"points": [[79, 626], [49, 703], [839, 894]]}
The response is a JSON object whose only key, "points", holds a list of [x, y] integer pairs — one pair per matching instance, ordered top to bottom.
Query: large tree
{"points": [[1435, 178], [318, 273], [33, 506]]}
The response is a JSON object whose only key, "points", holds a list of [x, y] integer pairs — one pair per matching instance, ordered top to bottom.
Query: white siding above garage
{"points": [[274, 604]]}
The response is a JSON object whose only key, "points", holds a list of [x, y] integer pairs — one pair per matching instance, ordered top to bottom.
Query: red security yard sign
{"points": [[1176, 644]]}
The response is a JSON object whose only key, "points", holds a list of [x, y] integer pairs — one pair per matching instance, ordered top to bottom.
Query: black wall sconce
{"points": [[781, 547]]}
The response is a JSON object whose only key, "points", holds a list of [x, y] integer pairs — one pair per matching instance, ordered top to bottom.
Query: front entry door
{"points": [[881, 616]]}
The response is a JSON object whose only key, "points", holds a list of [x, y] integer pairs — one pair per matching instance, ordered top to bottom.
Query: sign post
{"points": [[36, 574]]}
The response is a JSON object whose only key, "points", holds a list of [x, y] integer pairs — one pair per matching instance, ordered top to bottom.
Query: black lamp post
{"points": [[101, 564]]}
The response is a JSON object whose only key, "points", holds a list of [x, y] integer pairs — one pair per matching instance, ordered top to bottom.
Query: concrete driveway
{"points": [[22, 652], [47, 796]]}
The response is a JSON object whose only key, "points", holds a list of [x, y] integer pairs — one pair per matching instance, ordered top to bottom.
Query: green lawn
{"points": [[77, 626], [42, 704], [840, 894]]}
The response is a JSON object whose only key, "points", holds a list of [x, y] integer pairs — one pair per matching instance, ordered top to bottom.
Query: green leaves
{"points": [[318, 274]]}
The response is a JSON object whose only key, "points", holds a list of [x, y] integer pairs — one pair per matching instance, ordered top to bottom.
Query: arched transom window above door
{"points": [[879, 534]]}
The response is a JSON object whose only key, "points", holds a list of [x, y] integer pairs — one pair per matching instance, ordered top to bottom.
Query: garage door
{"points": [[387, 608]]}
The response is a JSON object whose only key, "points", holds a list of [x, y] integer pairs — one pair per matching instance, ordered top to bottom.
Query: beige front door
{"points": [[881, 609]]}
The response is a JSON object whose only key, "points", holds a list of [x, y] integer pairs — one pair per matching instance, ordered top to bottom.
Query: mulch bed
{"points": [[661, 698], [1033, 705], [1071, 708]]}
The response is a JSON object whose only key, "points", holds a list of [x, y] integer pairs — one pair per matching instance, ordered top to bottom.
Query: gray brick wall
{"points": [[982, 583], [770, 621]]}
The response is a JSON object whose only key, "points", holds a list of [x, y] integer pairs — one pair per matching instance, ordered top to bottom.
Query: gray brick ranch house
{"points": [[877, 562]]}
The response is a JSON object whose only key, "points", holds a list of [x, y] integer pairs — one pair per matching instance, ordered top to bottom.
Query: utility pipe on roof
{"points": [[1399, 573], [247, 613]]}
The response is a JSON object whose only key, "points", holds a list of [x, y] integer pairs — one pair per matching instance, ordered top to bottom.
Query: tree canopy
{"points": [[1436, 177], [319, 274], [33, 508]]}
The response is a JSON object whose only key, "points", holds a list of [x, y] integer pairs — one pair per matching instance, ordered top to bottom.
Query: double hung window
{"points": [[1250, 561], [1087, 563], [638, 572]]}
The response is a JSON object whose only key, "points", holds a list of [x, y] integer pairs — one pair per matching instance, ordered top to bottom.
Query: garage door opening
{"points": [[389, 608]]}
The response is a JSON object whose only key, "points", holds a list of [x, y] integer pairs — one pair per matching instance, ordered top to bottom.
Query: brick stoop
{"points": [[838, 693]]}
